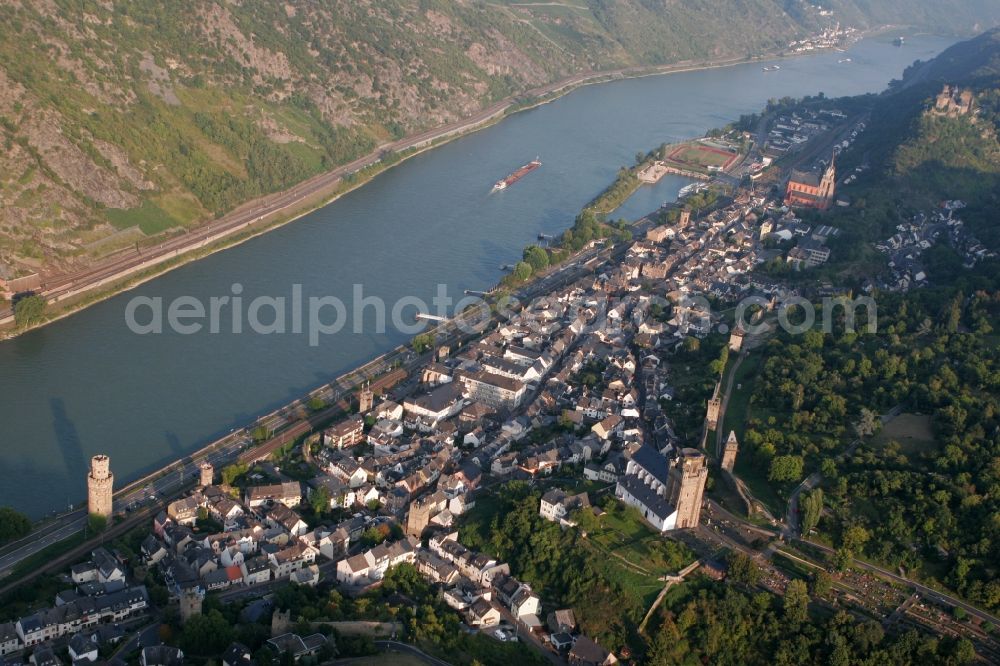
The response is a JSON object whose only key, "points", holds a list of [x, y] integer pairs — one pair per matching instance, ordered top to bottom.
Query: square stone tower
{"points": [[366, 399], [714, 408], [729, 453], [100, 486], [685, 486]]}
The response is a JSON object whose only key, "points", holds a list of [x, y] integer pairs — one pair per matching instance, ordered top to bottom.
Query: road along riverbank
{"points": [[70, 293]]}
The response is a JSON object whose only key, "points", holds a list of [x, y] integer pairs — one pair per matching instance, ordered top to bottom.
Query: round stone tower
{"points": [[207, 472], [100, 486]]}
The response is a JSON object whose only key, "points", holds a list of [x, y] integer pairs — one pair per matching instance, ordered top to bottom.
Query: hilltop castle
{"points": [[953, 102]]}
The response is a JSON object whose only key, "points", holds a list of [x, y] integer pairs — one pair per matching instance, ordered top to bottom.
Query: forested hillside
{"points": [[121, 121], [920, 492]]}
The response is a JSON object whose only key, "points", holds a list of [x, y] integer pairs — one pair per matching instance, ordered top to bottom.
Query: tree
{"points": [[536, 257], [522, 271], [29, 310], [422, 342], [868, 423], [785, 468], [232, 472], [320, 500], [812, 508], [96, 523], [13, 524], [375, 535], [854, 538], [842, 559], [743, 569], [405, 579], [821, 583], [796, 602], [207, 634]]}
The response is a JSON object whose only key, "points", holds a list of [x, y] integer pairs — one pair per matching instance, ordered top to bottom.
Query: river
{"points": [[87, 384]]}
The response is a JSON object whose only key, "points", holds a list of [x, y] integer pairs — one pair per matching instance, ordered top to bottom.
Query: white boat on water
{"points": [[690, 189]]}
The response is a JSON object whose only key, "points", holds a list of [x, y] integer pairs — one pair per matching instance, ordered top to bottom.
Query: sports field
{"points": [[699, 157], [912, 431]]}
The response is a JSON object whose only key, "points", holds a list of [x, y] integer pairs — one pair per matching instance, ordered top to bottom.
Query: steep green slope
{"points": [[121, 121], [914, 156]]}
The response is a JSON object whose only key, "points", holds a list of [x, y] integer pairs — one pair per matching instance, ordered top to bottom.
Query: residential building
{"points": [[809, 253], [493, 390], [436, 405], [608, 427], [348, 432], [288, 493], [557, 506], [288, 560], [369, 567], [82, 613], [482, 613], [563, 620], [10, 641], [297, 646], [82, 648], [585, 652], [237, 654], [161, 655]]}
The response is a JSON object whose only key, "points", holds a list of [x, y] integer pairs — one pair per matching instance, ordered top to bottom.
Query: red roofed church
{"points": [[810, 189]]}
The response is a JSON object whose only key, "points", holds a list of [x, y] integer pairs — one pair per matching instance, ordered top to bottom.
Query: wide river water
{"points": [[87, 384]]}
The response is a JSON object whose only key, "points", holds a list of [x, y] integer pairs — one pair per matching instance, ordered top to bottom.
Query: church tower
{"points": [[828, 184], [686, 485], [100, 486]]}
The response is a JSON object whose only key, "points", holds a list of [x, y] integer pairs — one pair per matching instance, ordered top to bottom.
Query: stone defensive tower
{"points": [[685, 219], [736, 339], [366, 399], [714, 407], [729, 453], [207, 474], [100, 486], [685, 486], [418, 517], [191, 600], [281, 622]]}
